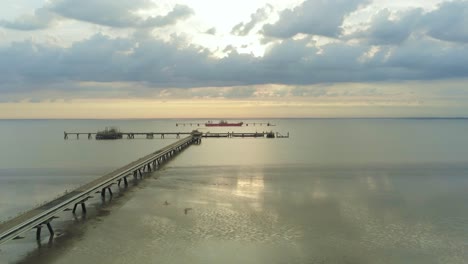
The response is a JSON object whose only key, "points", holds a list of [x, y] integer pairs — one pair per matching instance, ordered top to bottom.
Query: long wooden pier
{"points": [[43, 215]]}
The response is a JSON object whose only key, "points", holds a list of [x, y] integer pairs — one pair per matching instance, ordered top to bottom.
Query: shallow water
{"points": [[338, 191]]}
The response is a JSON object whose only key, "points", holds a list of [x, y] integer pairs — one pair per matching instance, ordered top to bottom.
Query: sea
{"points": [[336, 191]]}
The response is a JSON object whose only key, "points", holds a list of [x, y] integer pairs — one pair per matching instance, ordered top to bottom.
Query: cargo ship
{"points": [[223, 123], [109, 133]]}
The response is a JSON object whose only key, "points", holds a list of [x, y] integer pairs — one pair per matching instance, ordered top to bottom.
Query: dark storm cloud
{"points": [[110, 13], [314, 18], [243, 29]]}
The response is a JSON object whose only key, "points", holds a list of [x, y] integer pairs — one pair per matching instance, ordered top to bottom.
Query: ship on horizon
{"points": [[223, 123]]}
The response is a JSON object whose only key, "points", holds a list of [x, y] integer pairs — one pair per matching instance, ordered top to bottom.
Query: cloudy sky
{"points": [[243, 58]]}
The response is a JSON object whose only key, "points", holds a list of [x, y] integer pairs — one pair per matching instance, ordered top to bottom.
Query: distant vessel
{"points": [[222, 123], [109, 133]]}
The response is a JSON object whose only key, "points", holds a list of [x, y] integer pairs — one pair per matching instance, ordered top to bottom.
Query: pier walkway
{"points": [[43, 215]]}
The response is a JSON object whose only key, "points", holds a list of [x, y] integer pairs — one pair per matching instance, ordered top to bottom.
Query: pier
{"points": [[198, 124], [128, 135], [162, 135], [243, 135], [43, 215]]}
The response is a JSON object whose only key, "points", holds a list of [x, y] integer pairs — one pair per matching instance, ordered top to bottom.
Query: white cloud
{"points": [[111, 13], [259, 16], [313, 17], [41, 19], [447, 22], [141, 58]]}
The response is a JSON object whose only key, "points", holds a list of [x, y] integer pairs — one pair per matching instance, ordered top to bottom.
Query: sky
{"points": [[233, 59]]}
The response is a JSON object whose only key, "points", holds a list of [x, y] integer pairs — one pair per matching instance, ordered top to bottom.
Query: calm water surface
{"points": [[337, 191]]}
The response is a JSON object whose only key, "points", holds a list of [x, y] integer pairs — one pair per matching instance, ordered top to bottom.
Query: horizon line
{"points": [[231, 118]]}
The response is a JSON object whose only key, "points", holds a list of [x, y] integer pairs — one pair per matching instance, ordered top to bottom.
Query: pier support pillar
{"points": [[124, 180], [103, 191], [83, 207], [39, 229], [51, 231], [38, 232]]}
